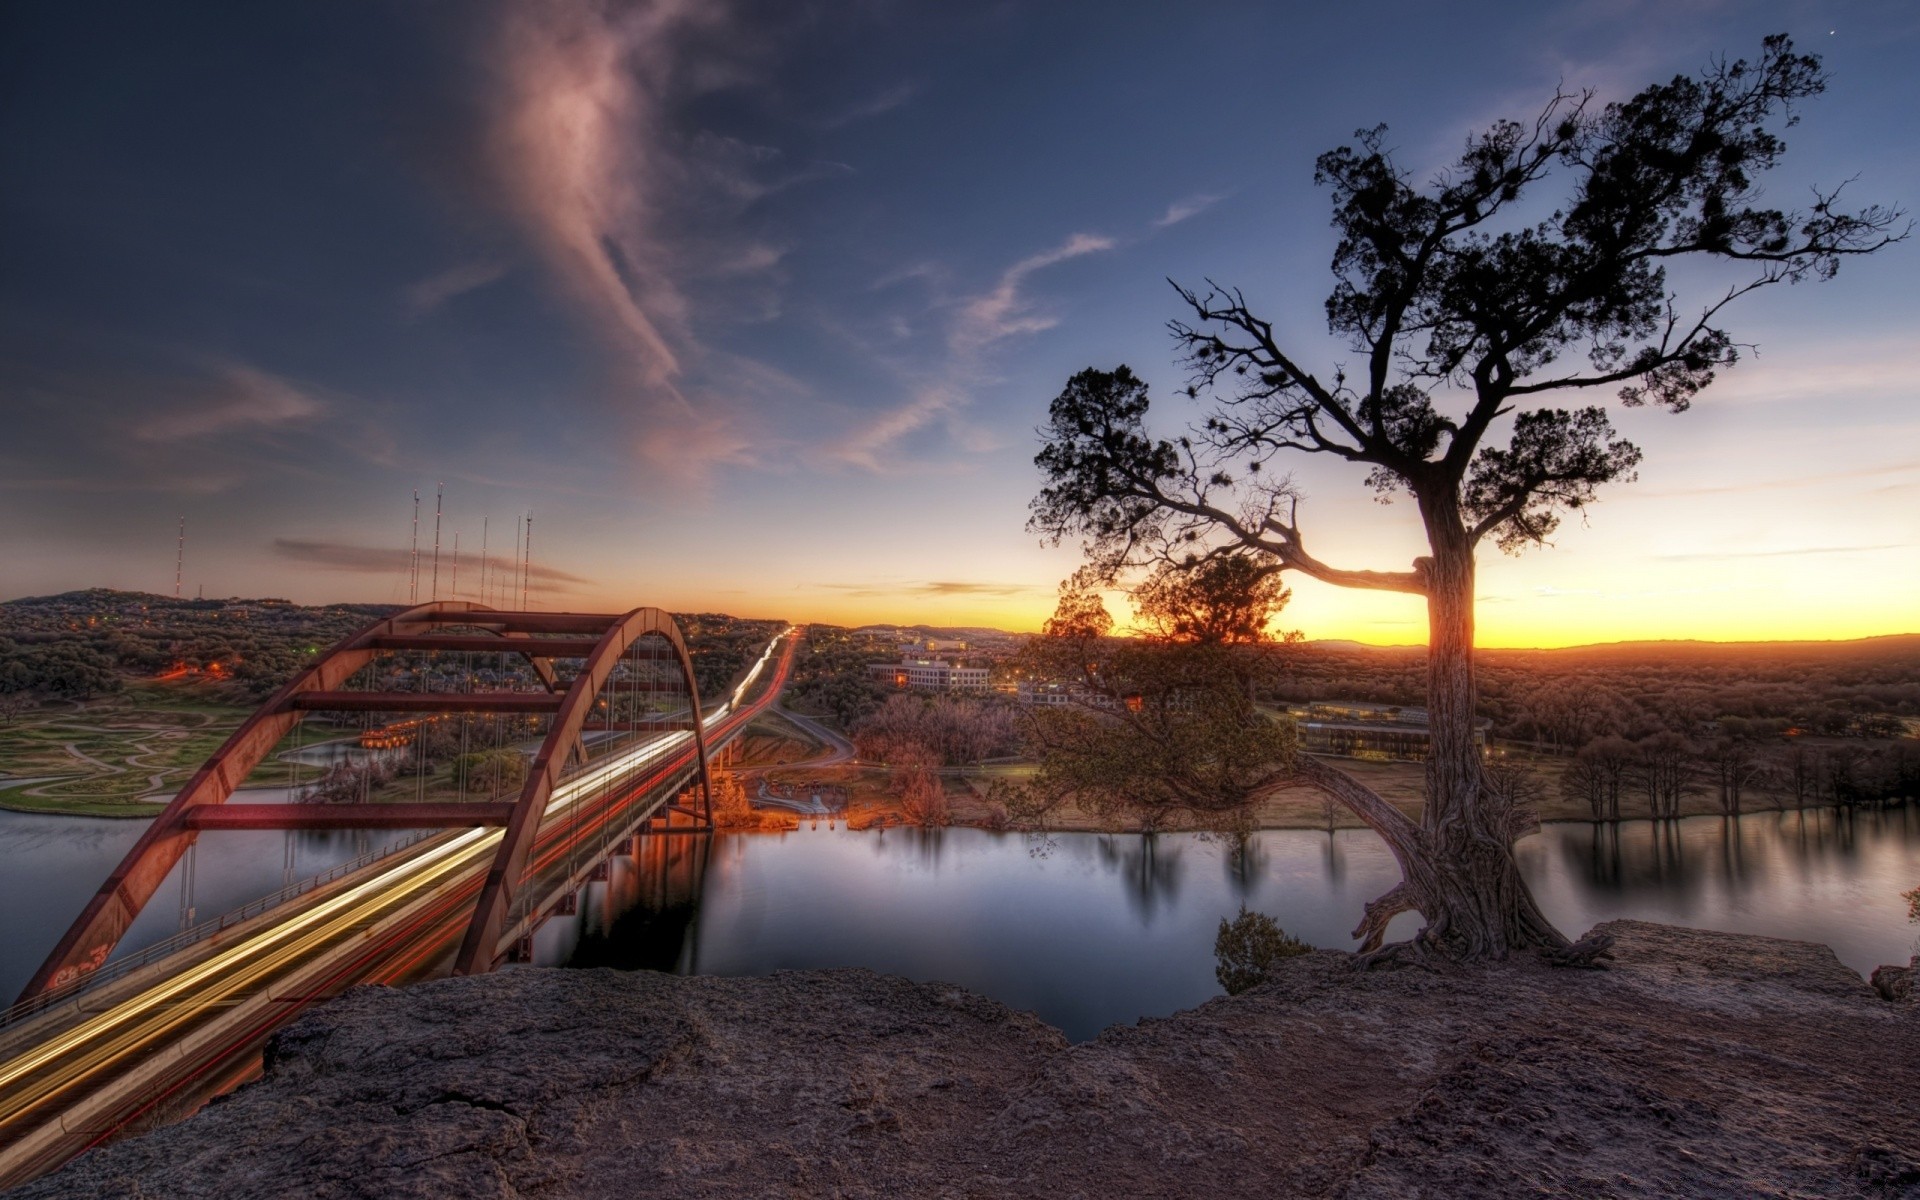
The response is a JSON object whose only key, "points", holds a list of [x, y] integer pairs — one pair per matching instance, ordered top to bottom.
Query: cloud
{"points": [[873, 106], [576, 143], [1191, 206], [634, 208], [430, 293], [1005, 311], [941, 396], [240, 398], [867, 446], [1848, 476], [1794, 552], [380, 560], [933, 588]]}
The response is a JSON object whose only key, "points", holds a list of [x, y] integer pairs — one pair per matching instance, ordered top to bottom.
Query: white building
{"points": [[930, 675]]}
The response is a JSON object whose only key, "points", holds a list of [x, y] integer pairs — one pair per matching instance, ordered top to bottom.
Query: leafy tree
{"points": [[1468, 320], [1168, 724], [497, 774], [731, 808], [1246, 948]]}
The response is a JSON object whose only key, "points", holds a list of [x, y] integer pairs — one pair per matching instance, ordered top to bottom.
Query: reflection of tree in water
{"points": [[1732, 852], [1336, 858], [1627, 858], [1245, 861], [1603, 865], [1150, 867], [649, 909]]}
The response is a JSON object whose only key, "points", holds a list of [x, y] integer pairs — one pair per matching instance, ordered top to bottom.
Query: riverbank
{"points": [[15, 798], [873, 804], [1701, 1064]]}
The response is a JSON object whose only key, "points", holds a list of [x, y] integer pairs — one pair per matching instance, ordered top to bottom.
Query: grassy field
{"points": [[125, 755]]}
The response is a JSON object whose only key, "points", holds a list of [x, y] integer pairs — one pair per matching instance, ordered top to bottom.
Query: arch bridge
{"points": [[620, 743]]}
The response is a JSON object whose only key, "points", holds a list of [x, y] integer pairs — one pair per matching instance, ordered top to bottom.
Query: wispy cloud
{"points": [[878, 104], [1191, 206], [636, 214], [430, 293], [1005, 310], [977, 323], [236, 398], [868, 445], [1861, 474], [1788, 552], [383, 560], [933, 588]]}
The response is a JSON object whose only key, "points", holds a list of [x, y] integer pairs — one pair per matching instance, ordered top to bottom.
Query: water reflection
{"points": [[1150, 865], [50, 866], [1822, 875], [1085, 929], [1092, 929]]}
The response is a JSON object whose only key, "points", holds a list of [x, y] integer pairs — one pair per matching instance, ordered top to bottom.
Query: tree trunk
{"points": [[1466, 882]]}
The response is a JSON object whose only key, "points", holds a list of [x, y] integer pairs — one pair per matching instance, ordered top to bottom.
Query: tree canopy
{"points": [[1473, 319]]}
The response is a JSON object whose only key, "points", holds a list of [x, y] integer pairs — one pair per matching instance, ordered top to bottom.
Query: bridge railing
{"points": [[195, 934]]}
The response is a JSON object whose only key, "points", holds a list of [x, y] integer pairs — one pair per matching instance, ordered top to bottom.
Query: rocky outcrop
{"points": [[1894, 982], [1700, 1065]]}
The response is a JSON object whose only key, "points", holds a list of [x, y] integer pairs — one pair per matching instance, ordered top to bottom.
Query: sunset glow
{"points": [[760, 314]]}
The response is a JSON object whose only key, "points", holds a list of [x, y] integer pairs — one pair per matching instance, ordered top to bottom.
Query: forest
{"points": [[78, 645]]}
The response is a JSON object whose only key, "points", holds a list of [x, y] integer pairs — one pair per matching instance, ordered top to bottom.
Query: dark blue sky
{"points": [[757, 306]]}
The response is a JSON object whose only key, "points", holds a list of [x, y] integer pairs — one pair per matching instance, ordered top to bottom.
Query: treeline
{"points": [[82, 644], [722, 648], [830, 675], [1560, 700], [913, 730], [916, 735], [1617, 777]]}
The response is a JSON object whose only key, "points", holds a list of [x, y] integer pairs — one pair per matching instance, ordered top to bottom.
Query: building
{"points": [[930, 675], [1048, 694], [1359, 729]]}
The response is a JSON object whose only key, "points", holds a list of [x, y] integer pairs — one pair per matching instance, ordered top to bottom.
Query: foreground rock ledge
{"points": [[1703, 1064]]}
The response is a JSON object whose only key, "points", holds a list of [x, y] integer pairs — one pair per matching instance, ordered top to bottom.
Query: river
{"points": [[1084, 929]]}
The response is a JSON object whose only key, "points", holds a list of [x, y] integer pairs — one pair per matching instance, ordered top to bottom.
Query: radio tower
{"points": [[439, 489], [413, 554], [179, 558], [483, 560], [526, 568], [513, 576]]}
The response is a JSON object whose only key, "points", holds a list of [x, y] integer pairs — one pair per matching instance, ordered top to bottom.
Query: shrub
{"points": [[1246, 948]]}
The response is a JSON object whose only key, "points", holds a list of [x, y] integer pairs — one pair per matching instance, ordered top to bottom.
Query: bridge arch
{"points": [[202, 803], [478, 950]]}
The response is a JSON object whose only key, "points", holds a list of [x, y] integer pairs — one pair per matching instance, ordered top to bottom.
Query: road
{"points": [[839, 748], [193, 1025]]}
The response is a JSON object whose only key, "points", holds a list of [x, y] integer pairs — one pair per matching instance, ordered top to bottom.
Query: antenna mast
{"points": [[439, 489], [413, 554], [180, 558], [483, 560], [526, 569], [512, 575]]}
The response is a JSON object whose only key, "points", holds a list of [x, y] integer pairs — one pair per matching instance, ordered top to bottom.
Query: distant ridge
{"points": [[1886, 643]]}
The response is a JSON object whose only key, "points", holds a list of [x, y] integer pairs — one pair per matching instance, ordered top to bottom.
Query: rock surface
{"points": [[1701, 1065]]}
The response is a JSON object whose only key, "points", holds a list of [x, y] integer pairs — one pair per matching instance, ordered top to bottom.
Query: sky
{"points": [[756, 307]]}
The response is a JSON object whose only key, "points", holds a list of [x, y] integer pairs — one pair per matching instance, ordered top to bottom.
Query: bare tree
{"points": [[1468, 320], [1736, 766], [1662, 767]]}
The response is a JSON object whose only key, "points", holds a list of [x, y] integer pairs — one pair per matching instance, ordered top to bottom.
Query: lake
{"points": [[1086, 930]]}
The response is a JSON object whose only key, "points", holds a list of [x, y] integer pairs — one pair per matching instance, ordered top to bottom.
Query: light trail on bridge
{"points": [[83, 1084]]}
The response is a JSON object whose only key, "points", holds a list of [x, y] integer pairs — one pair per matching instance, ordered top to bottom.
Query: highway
{"points": [[197, 1027]]}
